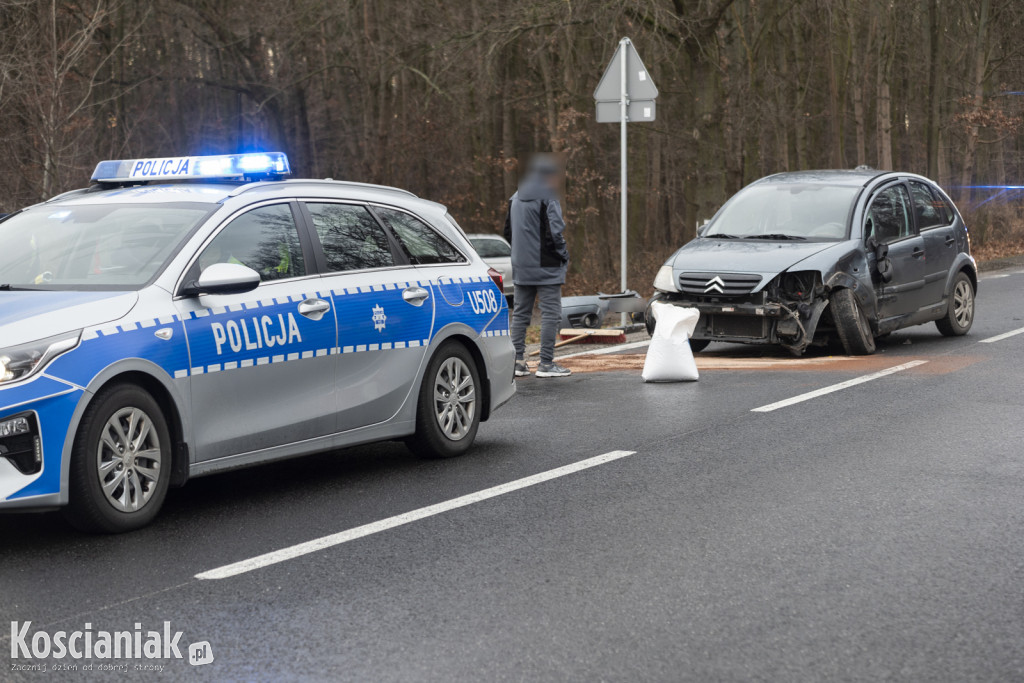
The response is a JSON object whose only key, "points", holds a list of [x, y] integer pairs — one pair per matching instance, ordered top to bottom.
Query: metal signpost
{"points": [[625, 93]]}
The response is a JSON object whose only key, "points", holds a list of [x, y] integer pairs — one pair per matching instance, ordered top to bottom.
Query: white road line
{"points": [[1000, 337], [610, 349], [837, 387], [325, 542]]}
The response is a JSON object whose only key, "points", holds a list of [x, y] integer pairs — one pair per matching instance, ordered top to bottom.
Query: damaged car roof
{"points": [[854, 178]]}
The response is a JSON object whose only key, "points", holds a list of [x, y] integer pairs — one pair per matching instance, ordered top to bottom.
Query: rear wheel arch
{"points": [[963, 264], [972, 274]]}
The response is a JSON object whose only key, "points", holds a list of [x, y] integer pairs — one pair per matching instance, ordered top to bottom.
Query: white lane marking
{"points": [[996, 277], [1000, 337], [610, 349], [837, 387], [325, 542]]}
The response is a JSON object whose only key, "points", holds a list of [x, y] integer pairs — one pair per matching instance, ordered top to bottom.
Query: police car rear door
{"points": [[466, 295], [385, 314], [262, 372]]}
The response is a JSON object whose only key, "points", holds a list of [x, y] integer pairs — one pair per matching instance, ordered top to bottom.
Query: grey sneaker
{"points": [[522, 369], [552, 370]]}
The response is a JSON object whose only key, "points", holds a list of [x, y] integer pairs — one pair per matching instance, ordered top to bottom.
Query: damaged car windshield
{"points": [[786, 211]]}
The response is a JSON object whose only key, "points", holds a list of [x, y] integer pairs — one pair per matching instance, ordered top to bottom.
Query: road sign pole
{"points": [[632, 98], [624, 109]]}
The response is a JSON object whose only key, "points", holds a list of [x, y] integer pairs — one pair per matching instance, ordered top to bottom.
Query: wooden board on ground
{"points": [[610, 336]]}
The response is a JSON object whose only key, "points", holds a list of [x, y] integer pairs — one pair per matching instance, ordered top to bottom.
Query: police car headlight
{"points": [[665, 281], [21, 362]]}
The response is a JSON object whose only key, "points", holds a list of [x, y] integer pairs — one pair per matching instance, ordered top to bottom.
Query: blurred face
{"points": [[551, 168]]}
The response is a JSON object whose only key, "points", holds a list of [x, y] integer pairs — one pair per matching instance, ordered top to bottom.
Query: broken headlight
{"points": [[665, 281], [23, 361]]}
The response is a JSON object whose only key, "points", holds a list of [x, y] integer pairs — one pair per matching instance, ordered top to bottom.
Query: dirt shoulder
{"points": [[1003, 263]]}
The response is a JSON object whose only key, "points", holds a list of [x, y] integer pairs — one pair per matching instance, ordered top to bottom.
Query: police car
{"points": [[184, 316]]}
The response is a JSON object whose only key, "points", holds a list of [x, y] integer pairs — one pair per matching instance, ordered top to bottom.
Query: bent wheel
{"points": [[852, 323], [448, 411], [120, 462]]}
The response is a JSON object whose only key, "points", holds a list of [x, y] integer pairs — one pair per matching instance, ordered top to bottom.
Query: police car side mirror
{"points": [[224, 278]]}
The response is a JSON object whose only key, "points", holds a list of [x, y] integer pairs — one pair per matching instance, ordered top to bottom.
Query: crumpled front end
{"points": [[740, 308]]}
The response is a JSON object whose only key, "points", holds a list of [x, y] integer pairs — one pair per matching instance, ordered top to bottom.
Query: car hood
{"points": [[766, 258], [28, 316]]}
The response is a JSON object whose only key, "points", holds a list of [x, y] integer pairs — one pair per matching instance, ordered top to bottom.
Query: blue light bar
{"points": [[222, 167]]}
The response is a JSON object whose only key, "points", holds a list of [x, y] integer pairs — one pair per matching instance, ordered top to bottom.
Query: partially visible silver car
{"points": [[497, 253]]}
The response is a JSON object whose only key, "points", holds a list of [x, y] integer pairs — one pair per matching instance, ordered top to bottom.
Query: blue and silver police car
{"points": [[183, 316]]}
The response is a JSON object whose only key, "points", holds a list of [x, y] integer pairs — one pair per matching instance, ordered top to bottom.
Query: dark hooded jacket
{"points": [[534, 227]]}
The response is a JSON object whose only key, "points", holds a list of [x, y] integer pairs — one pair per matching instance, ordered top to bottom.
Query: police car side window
{"points": [[351, 238], [264, 239], [421, 243]]}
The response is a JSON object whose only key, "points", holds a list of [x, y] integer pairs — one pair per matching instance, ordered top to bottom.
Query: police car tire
{"points": [[430, 441], [88, 509]]}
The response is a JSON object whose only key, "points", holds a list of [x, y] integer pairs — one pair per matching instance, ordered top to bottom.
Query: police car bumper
{"points": [[34, 420]]}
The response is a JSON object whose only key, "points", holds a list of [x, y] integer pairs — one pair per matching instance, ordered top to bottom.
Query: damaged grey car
{"points": [[807, 258]]}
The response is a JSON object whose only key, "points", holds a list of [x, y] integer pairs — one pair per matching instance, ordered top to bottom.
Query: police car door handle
{"points": [[415, 295], [314, 309]]}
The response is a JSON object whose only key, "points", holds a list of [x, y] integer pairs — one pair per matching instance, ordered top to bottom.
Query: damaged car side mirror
{"points": [[882, 263]]}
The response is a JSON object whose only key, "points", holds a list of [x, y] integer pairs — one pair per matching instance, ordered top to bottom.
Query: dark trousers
{"points": [[550, 299]]}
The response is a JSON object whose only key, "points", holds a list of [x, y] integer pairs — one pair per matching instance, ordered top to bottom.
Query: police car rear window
{"points": [[351, 238], [422, 244], [119, 246]]}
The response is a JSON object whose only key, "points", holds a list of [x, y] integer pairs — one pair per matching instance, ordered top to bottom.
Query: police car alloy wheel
{"points": [[448, 414], [120, 466]]}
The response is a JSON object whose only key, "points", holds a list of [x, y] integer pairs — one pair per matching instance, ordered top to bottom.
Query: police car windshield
{"points": [[812, 211], [112, 246]]}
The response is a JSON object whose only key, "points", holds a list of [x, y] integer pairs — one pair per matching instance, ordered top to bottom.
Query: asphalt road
{"points": [[873, 533]]}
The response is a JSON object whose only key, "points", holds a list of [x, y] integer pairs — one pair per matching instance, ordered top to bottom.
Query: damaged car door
{"points": [[901, 292]]}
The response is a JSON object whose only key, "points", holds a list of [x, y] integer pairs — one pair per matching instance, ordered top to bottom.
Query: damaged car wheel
{"points": [[852, 324], [698, 345]]}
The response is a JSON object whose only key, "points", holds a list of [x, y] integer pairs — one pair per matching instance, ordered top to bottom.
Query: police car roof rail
{"points": [[316, 181], [69, 193]]}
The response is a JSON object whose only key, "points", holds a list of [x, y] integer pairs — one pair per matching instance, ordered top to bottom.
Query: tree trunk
{"points": [[934, 37], [978, 89], [884, 115]]}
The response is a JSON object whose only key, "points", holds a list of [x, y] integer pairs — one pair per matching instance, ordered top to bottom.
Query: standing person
{"points": [[534, 227]]}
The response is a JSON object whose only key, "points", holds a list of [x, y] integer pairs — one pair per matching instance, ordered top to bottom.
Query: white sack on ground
{"points": [[669, 357]]}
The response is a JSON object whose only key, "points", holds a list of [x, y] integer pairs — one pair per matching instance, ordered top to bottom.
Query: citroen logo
{"points": [[715, 284]]}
